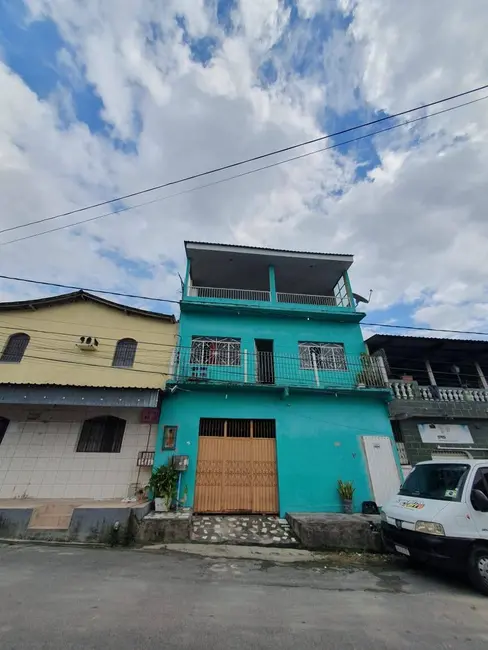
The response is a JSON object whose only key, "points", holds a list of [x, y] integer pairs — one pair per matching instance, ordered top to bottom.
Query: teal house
{"points": [[273, 396]]}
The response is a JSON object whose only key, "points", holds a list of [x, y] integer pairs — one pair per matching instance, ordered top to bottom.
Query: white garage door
{"points": [[382, 467]]}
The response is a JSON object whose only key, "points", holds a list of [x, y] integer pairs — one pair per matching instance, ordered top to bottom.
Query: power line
{"points": [[248, 160], [229, 178], [104, 291], [152, 298]]}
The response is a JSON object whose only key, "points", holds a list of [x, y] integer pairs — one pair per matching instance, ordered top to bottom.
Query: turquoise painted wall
{"points": [[285, 330], [317, 438]]}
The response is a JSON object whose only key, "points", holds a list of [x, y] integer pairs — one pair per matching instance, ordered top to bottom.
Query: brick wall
{"points": [[418, 450]]}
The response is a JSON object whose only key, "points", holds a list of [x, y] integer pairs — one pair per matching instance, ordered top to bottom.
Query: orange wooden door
{"points": [[236, 471]]}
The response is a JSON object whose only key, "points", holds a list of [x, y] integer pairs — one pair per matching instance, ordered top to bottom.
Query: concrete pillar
{"points": [[272, 284], [187, 286], [349, 290], [428, 367], [382, 368], [481, 375]]}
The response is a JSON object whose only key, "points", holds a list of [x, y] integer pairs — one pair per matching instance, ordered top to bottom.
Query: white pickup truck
{"points": [[440, 515]]}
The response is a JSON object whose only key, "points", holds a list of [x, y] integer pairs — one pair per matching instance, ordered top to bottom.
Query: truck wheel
{"points": [[478, 568]]}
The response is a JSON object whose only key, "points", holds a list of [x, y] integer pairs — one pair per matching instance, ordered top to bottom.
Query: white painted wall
{"points": [[38, 457]]}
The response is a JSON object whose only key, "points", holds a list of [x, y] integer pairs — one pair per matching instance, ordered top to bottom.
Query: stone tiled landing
{"points": [[242, 529]]}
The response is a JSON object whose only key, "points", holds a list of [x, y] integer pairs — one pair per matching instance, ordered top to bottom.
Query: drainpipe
{"points": [[272, 284], [481, 375]]}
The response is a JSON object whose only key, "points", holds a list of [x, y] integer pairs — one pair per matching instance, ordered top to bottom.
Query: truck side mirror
{"points": [[479, 500]]}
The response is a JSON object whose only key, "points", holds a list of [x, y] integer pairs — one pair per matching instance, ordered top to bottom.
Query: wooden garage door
{"points": [[236, 469]]}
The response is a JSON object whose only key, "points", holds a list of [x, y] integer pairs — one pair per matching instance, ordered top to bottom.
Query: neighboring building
{"points": [[80, 386], [440, 391], [273, 396]]}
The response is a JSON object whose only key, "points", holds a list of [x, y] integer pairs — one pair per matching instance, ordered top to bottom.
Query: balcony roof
{"points": [[229, 266], [404, 349]]}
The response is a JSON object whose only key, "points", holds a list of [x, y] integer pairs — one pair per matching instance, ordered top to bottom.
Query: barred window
{"points": [[15, 347], [215, 351], [125, 353], [323, 356], [102, 434]]}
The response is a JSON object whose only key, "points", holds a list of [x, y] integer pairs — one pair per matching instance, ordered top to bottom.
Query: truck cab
{"points": [[440, 515]]}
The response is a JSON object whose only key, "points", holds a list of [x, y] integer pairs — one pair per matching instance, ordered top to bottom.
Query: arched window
{"points": [[15, 347], [125, 352], [4, 422], [103, 434]]}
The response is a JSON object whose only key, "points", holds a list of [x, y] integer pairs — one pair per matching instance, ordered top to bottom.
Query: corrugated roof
{"points": [[264, 248], [75, 296], [417, 337]]}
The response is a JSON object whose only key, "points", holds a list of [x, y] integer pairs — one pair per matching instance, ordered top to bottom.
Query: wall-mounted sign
{"points": [[446, 433]]}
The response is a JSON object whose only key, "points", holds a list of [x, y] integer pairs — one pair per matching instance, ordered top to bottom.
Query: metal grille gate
{"points": [[236, 469]]}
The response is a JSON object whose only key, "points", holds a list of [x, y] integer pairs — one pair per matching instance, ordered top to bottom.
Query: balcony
{"points": [[265, 279], [267, 369], [411, 390]]}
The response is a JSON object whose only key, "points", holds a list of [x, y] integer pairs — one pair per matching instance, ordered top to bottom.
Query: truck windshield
{"points": [[443, 481]]}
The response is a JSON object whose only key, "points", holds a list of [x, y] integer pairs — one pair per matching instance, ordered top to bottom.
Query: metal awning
{"points": [[78, 396]]}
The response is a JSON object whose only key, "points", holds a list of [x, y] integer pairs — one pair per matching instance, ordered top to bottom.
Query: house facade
{"points": [[81, 380], [440, 395], [273, 397]]}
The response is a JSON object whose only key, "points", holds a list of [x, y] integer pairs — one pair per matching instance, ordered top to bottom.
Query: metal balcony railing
{"points": [[229, 294], [265, 296], [307, 299], [266, 368], [410, 390]]}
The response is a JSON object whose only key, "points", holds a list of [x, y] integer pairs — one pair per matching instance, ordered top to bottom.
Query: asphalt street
{"points": [[65, 597]]}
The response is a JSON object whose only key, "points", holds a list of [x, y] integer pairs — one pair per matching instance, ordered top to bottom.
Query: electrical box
{"points": [[150, 416], [180, 463]]}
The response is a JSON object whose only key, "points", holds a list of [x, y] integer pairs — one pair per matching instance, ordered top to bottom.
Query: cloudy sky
{"points": [[99, 98]]}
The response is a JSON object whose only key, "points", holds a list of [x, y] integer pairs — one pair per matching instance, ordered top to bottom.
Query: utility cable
{"points": [[248, 160], [224, 180], [104, 291], [152, 298]]}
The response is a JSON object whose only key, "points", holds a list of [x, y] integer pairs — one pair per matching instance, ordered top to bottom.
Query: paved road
{"points": [[64, 598]]}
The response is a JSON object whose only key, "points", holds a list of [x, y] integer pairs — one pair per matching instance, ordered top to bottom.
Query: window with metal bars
{"points": [[14, 348], [215, 351], [125, 353], [321, 356], [4, 422], [237, 428], [102, 434]]}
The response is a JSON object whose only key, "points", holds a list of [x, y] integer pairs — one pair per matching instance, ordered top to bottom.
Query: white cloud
{"points": [[416, 224]]}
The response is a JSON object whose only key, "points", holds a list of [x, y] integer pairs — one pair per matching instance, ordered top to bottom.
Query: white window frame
{"points": [[215, 351], [328, 356]]}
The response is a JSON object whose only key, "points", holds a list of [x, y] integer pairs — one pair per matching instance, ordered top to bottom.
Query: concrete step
{"points": [[51, 516]]}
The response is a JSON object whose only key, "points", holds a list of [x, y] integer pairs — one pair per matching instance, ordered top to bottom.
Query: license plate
{"points": [[402, 549]]}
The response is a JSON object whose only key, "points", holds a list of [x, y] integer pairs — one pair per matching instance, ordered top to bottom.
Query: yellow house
{"points": [[80, 393]]}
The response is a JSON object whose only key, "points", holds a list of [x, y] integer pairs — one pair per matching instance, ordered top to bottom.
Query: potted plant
{"points": [[163, 483], [346, 491]]}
